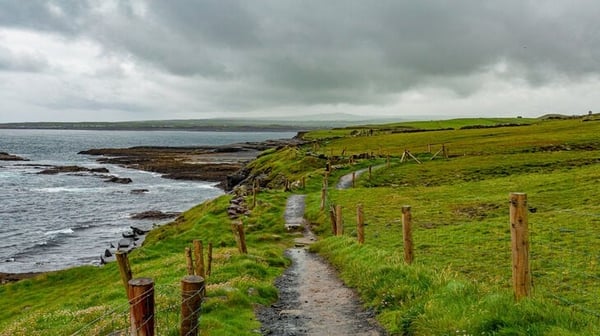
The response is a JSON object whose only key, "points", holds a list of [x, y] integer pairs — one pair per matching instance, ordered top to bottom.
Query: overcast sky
{"points": [[76, 60]]}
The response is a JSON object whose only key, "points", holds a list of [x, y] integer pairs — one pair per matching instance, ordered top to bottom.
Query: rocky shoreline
{"points": [[222, 164]]}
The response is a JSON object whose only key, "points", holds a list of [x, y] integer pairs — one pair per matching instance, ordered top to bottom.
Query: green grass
{"points": [[460, 282], [64, 302]]}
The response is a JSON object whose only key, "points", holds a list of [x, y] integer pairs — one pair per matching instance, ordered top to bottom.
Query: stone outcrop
{"points": [[10, 157], [222, 164], [72, 169], [121, 180], [237, 208], [155, 214]]}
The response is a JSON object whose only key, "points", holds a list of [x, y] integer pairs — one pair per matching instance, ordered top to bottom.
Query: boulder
{"points": [[121, 180], [139, 191], [154, 214]]}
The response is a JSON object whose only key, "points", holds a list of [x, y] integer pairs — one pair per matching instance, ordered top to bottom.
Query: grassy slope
{"points": [[460, 281], [64, 302]]}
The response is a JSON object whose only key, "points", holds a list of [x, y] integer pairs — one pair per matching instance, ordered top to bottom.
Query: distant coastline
{"points": [[273, 128]]}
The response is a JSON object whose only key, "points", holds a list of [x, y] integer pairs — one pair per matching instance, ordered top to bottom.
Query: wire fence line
{"points": [[579, 258], [165, 316]]}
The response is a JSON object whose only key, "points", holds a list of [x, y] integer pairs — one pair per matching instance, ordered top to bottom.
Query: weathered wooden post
{"points": [[429, 148], [444, 151], [388, 161], [370, 172], [353, 179], [303, 182], [323, 198], [333, 220], [360, 224], [339, 225], [519, 232], [407, 234], [242, 235], [199, 257], [210, 258], [189, 261], [124, 269], [126, 275], [192, 290], [141, 300]]}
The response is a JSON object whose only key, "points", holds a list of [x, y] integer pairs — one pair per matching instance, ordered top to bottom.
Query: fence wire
{"points": [[551, 253], [164, 321]]}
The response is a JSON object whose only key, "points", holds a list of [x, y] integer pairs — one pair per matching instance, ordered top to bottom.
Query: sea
{"points": [[53, 222]]}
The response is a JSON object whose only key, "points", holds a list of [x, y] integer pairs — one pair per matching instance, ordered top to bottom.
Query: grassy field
{"points": [[461, 279], [460, 282]]}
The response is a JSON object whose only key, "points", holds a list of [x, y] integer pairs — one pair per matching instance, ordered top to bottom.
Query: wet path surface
{"points": [[345, 181], [312, 299]]}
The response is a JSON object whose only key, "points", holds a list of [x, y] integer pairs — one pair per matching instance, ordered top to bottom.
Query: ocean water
{"points": [[51, 222]]}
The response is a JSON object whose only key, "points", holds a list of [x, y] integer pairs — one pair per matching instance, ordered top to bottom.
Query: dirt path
{"points": [[345, 181], [312, 299]]}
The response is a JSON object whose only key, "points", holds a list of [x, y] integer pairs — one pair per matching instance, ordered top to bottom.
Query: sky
{"points": [[110, 60]]}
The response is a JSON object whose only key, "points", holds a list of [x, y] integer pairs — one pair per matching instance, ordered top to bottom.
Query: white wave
{"points": [[73, 190], [56, 232]]}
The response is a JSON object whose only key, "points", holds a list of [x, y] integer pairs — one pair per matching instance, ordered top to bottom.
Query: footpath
{"points": [[312, 298]]}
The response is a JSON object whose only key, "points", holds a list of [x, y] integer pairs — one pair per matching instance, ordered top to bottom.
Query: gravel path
{"points": [[312, 299]]}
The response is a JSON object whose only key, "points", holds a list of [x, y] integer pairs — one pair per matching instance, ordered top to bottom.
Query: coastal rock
{"points": [[10, 157], [223, 164], [71, 169], [121, 180], [139, 191], [154, 214]]}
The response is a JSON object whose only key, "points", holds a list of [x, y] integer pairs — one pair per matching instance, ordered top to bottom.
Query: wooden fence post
{"points": [[388, 161], [370, 172], [353, 179], [323, 198], [333, 220], [360, 224], [339, 225], [519, 232], [407, 234], [242, 235], [199, 257], [210, 259], [189, 261], [124, 269], [126, 275], [192, 290], [141, 300]]}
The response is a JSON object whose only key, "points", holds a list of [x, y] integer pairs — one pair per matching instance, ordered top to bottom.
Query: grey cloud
{"points": [[39, 15], [271, 52], [10, 61]]}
